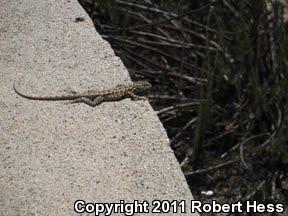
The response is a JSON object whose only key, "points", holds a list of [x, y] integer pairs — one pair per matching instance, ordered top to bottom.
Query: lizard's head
{"points": [[142, 86]]}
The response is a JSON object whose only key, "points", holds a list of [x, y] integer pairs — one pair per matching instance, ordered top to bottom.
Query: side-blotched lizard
{"points": [[94, 98]]}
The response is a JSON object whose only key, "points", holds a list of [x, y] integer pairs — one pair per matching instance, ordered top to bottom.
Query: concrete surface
{"points": [[52, 153]]}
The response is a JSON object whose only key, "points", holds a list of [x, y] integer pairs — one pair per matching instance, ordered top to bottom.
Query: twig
{"points": [[156, 10], [173, 16], [146, 20], [270, 20], [173, 21], [203, 37], [173, 42], [142, 46], [140, 63], [188, 67], [190, 79], [167, 97], [177, 106], [169, 119], [193, 120], [279, 121], [221, 135], [244, 142], [242, 156], [210, 168], [273, 185], [249, 196]]}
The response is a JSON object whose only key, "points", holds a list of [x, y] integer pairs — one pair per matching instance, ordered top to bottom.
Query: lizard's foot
{"points": [[135, 97], [139, 98], [144, 98]]}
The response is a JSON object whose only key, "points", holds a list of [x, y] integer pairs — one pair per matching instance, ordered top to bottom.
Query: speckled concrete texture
{"points": [[52, 153]]}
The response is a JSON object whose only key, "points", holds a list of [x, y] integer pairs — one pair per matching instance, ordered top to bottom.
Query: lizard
{"points": [[94, 97]]}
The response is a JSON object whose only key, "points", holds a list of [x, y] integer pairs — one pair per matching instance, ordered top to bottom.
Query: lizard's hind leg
{"points": [[96, 101]]}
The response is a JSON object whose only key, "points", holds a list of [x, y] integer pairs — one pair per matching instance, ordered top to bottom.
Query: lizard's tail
{"points": [[31, 97], [51, 98]]}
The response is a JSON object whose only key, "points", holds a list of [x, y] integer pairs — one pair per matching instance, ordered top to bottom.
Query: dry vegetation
{"points": [[219, 75]]}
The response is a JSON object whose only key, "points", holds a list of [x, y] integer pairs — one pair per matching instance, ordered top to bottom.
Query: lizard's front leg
{"points": [[135, 97], [96, 101]]}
